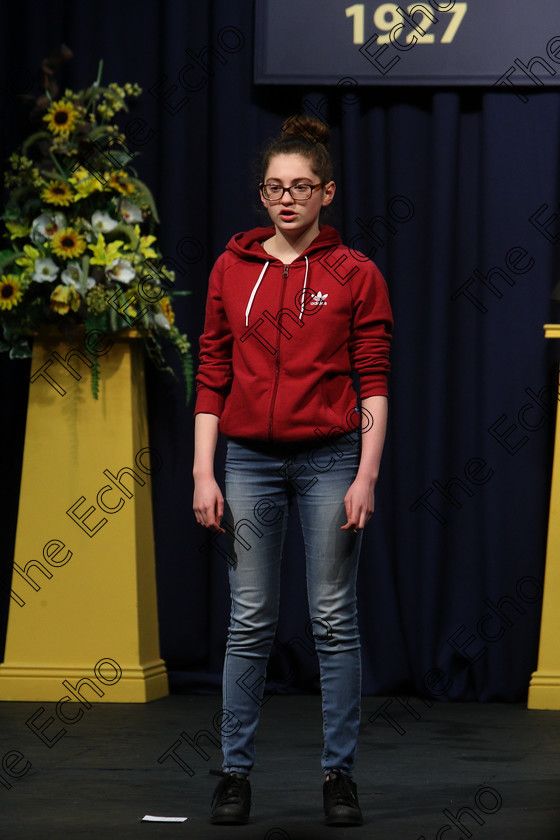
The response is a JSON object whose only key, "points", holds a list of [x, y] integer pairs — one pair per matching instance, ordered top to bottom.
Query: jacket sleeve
{"points": [[372, 326], [215, 372]]}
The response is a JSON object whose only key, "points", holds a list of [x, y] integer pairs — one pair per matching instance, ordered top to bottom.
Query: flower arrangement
{"points": [[80, 233]]}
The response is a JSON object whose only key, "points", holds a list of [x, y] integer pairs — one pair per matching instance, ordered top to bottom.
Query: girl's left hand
{"points": [[359, 503]]}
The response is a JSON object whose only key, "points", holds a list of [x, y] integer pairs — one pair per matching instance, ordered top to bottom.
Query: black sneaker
{"points": [[340, 797], [231, 803]]}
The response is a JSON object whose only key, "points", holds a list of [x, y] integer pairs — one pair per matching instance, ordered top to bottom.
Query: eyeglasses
{"points": [[299, 192]]}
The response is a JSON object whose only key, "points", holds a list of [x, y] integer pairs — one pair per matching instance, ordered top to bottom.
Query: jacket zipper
{"points": [[285, 273]]}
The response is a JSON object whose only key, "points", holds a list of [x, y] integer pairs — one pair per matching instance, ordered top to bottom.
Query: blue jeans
{"points": [[261, 479]]}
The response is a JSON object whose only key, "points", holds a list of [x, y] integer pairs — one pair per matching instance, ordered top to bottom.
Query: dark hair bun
{"points": [[303, 127], [302, 135]]}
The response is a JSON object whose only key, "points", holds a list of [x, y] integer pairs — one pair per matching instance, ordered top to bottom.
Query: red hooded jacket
{"points": [[280, 341]]}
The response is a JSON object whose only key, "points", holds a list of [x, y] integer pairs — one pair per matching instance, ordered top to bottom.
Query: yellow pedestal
{"points": [[82, 623], [544, 688]]}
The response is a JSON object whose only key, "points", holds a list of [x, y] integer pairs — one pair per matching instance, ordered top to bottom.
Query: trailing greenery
{"points": [[79, 234]]}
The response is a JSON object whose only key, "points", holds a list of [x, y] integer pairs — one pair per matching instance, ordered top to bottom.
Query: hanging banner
{"points": [[433, 42]]}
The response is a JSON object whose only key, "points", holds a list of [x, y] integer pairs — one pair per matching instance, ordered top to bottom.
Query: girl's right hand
{"points": [[208, 503]]}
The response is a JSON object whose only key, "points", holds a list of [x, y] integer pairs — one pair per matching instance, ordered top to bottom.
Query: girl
{"points": [[290, 313]]}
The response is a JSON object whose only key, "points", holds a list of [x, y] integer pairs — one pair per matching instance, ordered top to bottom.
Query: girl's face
{"points": [[291, 215]]}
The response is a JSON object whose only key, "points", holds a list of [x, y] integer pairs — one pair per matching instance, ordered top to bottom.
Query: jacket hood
{"points": [[247, 245]]}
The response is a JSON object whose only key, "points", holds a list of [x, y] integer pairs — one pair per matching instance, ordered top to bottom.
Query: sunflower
{"points": [[62, 117], [119, 181], [83, 183], [57, 192], [68, 243], [11, 291]]}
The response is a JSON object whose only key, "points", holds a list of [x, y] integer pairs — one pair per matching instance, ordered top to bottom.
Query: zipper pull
{"points": [[286, 270]]}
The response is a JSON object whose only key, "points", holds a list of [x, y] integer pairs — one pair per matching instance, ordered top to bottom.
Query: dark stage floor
{"points": [[488, 772]]}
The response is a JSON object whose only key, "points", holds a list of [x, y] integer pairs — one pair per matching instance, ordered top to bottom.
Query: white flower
{"points": [[130, 212], [102, 222], [46, 225], [87, 231], [45, 270], [120, 270], [74, 276], [161, 321]]}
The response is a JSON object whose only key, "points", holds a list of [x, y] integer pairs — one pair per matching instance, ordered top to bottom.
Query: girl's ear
{"points": [[328, 193]]}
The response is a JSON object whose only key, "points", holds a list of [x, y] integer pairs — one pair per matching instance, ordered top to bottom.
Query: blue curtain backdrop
{"points": [[438, 186]]}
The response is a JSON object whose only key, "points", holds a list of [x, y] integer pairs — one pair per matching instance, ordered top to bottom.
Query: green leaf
{"points": [[99, 72], [101, 131], [39, 135], [57, 164], [50, 173], [18, 195], [147, 195], [32, 205], [123, 230], [13, 255], [85, 269], [113, 319], [21, 350], [94, 373], [188, 374]]}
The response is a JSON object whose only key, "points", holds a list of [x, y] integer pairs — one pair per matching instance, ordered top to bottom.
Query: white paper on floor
{"points": [[149, 818]]}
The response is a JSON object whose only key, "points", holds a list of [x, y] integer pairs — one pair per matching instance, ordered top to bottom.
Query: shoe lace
{"points": [[230, 787], [342, 790]]}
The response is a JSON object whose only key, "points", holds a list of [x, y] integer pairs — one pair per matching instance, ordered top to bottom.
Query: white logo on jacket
{"points": [[319, 299]]}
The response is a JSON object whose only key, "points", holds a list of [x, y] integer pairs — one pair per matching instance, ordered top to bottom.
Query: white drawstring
{"points": [[258, 283], [304, 287], [253, 293]]}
